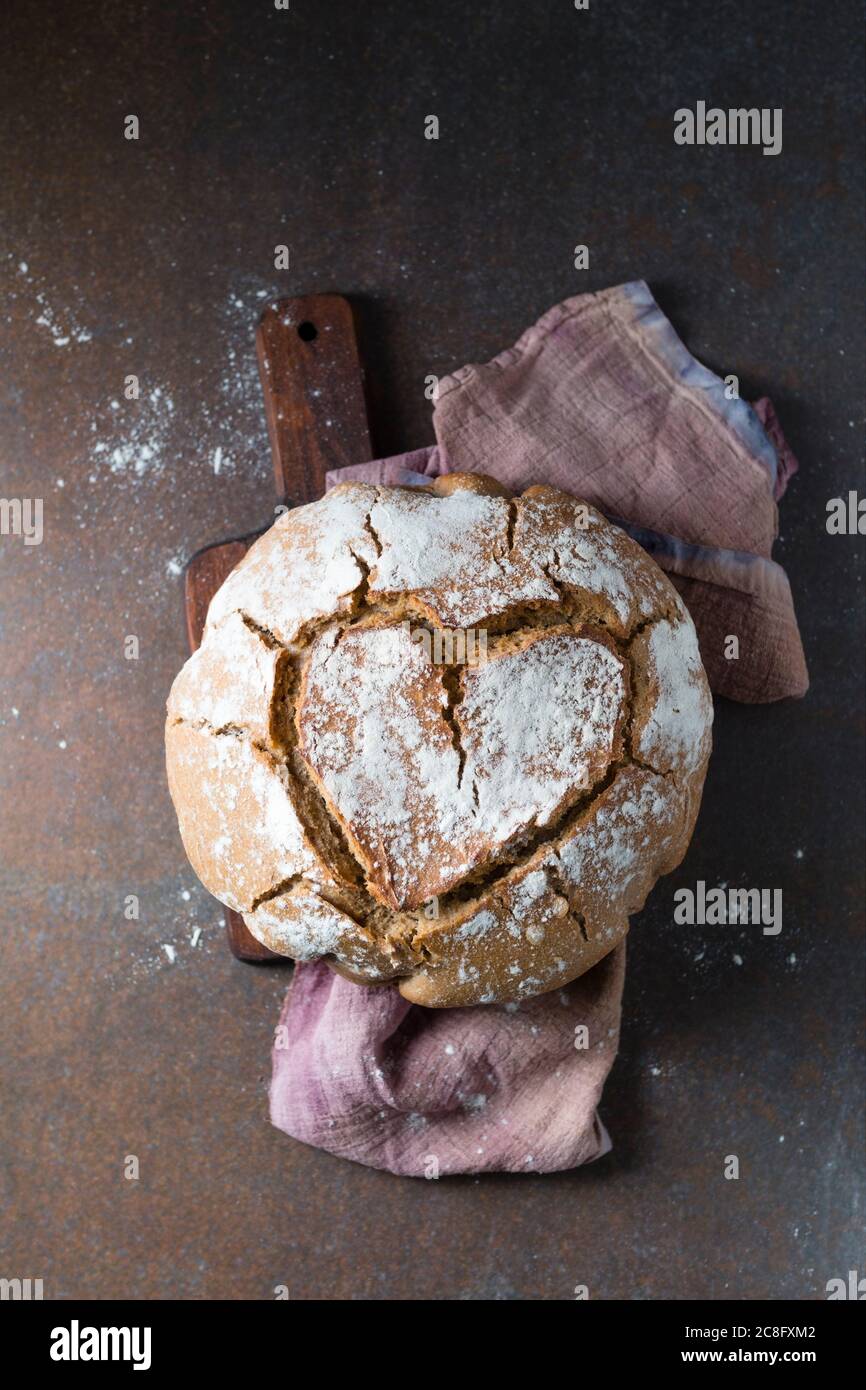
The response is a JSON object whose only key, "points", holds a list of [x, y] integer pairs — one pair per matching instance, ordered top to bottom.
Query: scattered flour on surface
{"points": [[220, 427]]}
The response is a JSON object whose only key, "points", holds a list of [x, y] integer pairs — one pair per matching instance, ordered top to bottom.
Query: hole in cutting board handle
{"points": [[307, 331]]}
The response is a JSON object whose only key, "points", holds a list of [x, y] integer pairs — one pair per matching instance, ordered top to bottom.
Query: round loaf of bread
{"points": [[441, 736]]}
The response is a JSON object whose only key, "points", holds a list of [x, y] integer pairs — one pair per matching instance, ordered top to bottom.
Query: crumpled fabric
{"points": [[602, 399], [431, 1092]]}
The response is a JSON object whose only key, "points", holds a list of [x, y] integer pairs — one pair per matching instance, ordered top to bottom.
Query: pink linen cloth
{"points": [[601, 398], [430, 1092]]}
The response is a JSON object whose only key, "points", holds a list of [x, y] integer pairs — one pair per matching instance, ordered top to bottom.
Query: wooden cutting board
{"points": [[316, 410]]}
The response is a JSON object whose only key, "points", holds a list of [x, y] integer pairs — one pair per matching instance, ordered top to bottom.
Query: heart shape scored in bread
{"points": [[435, 771]]}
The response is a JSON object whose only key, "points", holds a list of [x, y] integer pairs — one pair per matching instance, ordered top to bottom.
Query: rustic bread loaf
{"points": [[441, 736]]}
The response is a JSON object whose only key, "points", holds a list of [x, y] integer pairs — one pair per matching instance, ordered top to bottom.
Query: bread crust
{"points": [[362, 790]]}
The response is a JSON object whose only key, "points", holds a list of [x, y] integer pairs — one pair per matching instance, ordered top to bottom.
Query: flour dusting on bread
{"points": [[471, 831]]}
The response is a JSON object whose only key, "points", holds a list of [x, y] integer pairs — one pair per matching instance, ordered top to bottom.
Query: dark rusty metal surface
{"points": [[153, 258]]}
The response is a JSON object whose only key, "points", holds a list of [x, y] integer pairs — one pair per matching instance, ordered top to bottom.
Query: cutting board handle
{"points": [[313, 386]]}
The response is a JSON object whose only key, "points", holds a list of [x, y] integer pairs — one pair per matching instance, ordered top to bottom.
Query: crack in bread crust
{"points": [[452, 681]]}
